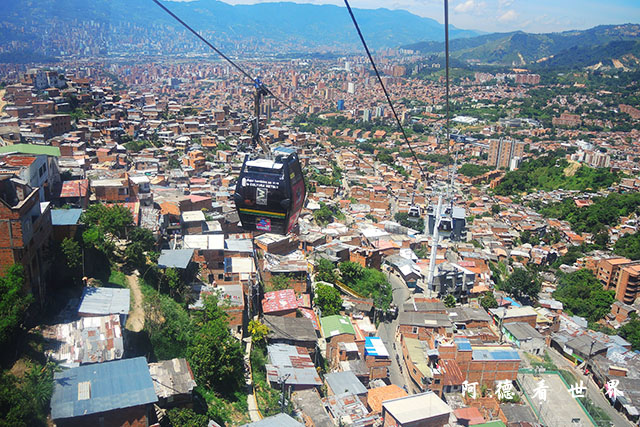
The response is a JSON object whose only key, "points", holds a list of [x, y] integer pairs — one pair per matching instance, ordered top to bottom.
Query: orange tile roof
{"points": [[377, 395], [472, 416]]}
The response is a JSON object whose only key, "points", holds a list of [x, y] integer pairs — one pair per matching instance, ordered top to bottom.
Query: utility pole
{"points": [[283, 381]]}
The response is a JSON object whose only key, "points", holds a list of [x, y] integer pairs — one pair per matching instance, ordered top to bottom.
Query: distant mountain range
{"points": [[280, 26], [608, 43]]}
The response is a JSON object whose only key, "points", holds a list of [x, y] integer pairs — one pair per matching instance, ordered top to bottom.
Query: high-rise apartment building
{"points": [[501, 152]]}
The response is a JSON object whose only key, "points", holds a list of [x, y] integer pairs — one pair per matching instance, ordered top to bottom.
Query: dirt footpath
{"points": [[135, 322]]}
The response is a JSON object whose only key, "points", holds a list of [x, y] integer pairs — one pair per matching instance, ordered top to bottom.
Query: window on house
{"points": [[123, 191], [414, 330]]}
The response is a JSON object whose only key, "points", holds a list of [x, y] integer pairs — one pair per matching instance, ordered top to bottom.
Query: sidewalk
{"points": [[252, 404]]}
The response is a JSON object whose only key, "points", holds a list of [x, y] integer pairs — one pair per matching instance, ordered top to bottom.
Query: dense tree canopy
{"points": [[472, 170], [548, 173], [603, 213], [114, 219], [403, 219], [628, 246], [325, 271], [369, 282], [522, 284], [581, 294], [328, 300], [488, 301], [13, 304], [631, 333], [215, 356]]}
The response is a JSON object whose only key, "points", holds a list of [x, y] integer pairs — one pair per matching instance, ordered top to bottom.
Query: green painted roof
{"points": [[31, 149], [336, 325], [496, 423]]}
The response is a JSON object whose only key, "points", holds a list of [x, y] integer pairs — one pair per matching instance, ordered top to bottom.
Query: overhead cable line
{"points": [[258, 84], [384, 89]]}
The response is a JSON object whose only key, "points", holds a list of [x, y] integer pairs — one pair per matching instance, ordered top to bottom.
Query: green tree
{"points": [[495, 208], [324, 215], [403, 219], [113, 220], [143, 237], [628, 246], [72, 253], [134, 255], [325, 271], [350, 272], [174, 282], [279, 282], [522, 284], [581, 294], [328, 299], [450, 301], [488, 301], [13, 304], [168, 325], [258, 331], [631, 333], [215, 356], [25, 401], [186, 417]]}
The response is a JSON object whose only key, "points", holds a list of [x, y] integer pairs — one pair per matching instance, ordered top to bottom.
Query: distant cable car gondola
{"points": [[270, 193]]}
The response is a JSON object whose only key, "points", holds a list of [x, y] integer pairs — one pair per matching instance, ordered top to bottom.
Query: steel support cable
{"points": [[255, 81], [384, 89]]}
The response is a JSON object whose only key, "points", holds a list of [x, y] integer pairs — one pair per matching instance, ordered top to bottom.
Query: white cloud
{"points": [[505, 3], [467, 6], [509, 15]]}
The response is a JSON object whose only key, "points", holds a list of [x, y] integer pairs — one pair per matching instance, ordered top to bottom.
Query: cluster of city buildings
{"points": [[170, 149]]}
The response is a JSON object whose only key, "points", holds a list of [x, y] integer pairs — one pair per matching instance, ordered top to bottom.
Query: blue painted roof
{"points": [[65, 216], [176, 258], [513, 303], [463, 344], [373, 346], [493, 354], [112, 385]]}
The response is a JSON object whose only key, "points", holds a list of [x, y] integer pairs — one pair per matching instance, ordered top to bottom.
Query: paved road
{"points": [[387, 332], [593, 391], [558, 408]]}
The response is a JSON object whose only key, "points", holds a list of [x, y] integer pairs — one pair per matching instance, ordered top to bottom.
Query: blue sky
{"points": [[506, 15]]}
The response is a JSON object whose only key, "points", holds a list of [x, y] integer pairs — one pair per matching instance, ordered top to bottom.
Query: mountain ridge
{"points": [[282, 25], [521, 48]]}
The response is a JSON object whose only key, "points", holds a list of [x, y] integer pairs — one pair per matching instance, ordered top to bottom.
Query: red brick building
{"points": [[25, 232]]}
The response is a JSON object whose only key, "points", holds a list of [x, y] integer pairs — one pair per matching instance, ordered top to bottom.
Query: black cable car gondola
{"points": [[270, 193]]}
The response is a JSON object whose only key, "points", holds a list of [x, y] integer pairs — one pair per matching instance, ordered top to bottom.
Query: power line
{"points": [[255, 81], [384, 89]]}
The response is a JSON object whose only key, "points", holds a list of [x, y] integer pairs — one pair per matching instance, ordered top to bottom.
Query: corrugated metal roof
{"points": [[65, 216], [175, 258], [104, 301], [88, 340], [291, 362], [172, 377], [345, 382], [113, 385], [280, 420]]}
